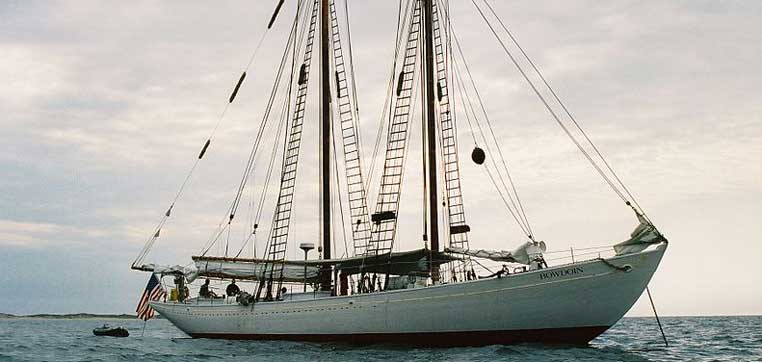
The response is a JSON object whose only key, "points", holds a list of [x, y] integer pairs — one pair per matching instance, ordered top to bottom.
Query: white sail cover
{"points": [[640, 238], [523, 254], [230, 269], [251, 270], [190, 272]]}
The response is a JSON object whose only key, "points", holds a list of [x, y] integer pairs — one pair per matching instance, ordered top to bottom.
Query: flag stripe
{"points": [[152, 292]]}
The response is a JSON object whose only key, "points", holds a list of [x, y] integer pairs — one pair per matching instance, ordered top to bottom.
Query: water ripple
{"points": [[632, 340]]}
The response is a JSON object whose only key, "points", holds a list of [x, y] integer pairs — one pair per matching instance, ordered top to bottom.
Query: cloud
{"points": [[105, 106], [38, 235]]}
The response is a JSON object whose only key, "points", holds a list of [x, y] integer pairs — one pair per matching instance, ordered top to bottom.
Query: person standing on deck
{"points": [[343, 284], [232, 290], [205, 292]]}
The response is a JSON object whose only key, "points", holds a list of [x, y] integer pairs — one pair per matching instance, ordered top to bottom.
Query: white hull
{"points": [[571, 303]]}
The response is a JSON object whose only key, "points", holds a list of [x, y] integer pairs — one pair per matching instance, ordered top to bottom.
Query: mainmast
{"points": [[429, 127], [325, 139]]}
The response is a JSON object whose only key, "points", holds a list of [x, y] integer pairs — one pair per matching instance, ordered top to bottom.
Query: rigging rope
{"points": [[291, 43], [354, 99], [387, 108], [566, 110], [566, 130], [254, 149], [512, 191], [338, 193], [510, 203], [260, 204], [520, 207], [384, 238], [277, 239], [149, 244], [656, 315]]}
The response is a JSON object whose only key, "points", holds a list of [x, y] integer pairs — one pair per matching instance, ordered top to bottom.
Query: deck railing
{"points": [[485, 267], [482, 268]]}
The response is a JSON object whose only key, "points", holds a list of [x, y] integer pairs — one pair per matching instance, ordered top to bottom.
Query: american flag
{"points": [[153, 292]]}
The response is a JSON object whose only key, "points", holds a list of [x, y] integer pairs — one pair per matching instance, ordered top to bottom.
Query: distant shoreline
{"points": [[68, 316]]}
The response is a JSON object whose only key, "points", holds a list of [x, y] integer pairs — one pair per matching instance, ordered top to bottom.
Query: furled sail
{"points": [[640, 238], [524, 254], [417, 262], [232, 268], [251, 269], [190, 272]]}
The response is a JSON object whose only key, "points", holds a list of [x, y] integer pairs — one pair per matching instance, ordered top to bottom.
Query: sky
{"points": [[104, 106]]}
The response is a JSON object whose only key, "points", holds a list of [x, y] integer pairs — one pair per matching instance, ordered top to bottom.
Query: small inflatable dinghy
{"points": [[111, 331]]}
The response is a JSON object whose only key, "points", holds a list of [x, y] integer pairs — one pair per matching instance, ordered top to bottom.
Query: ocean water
{"points": [[632, 339]]}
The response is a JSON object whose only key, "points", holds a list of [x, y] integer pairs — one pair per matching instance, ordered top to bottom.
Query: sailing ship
{"points": [[430, 296]]}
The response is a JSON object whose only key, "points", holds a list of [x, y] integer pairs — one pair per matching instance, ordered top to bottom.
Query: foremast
{"points": [[429, 125], [325, 140], [456, 230]]}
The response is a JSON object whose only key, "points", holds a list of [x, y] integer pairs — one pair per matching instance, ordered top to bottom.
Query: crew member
{"points": [[471, 274], [365, 283], [343, 284], [180, 287], [232, 290], [205, 292]]}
